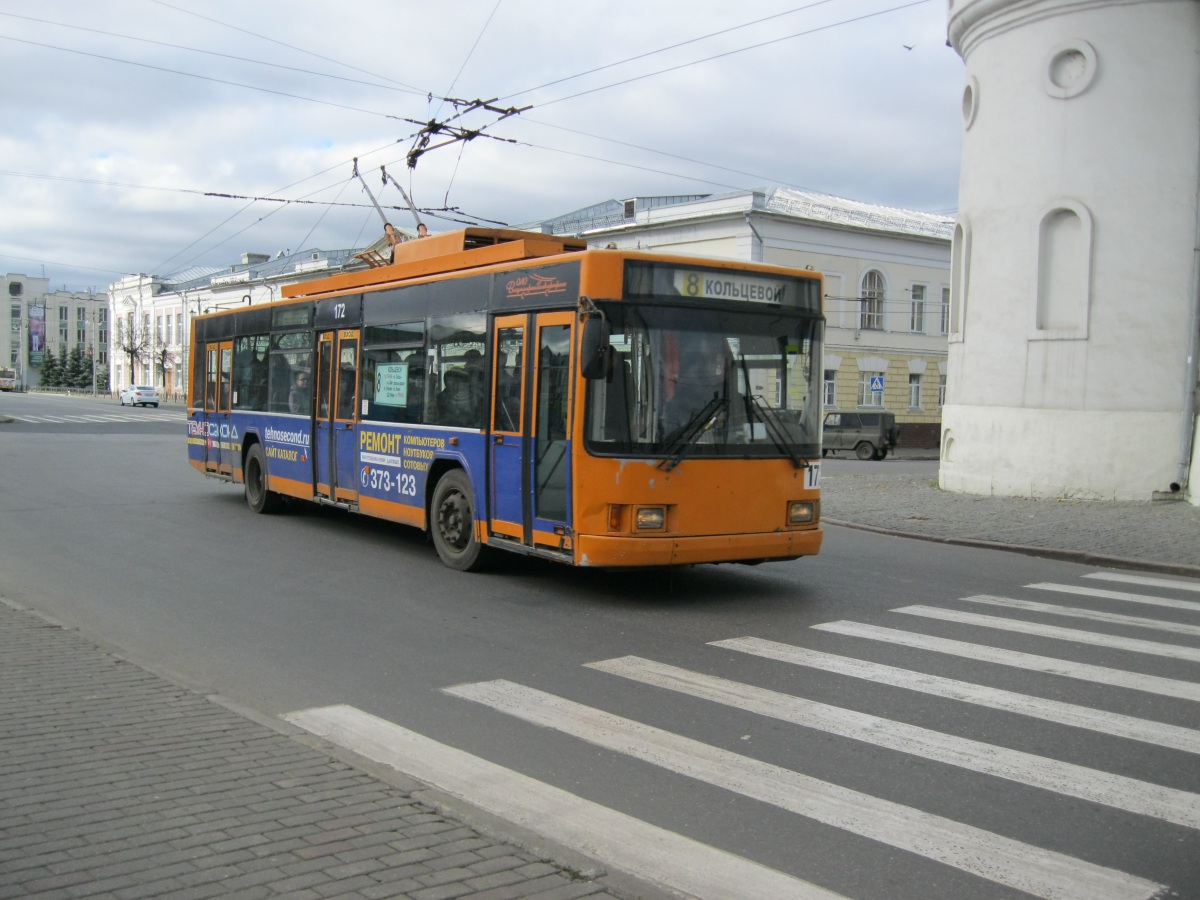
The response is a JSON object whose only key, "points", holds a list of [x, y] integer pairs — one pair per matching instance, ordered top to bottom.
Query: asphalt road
{"points": [[104, 526]]}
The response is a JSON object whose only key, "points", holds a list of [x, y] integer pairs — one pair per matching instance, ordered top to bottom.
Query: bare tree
{"points": [[133, 343], [162, 357]]}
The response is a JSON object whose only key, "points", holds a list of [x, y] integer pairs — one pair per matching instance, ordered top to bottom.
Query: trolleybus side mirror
{"points": [[594, 348]]}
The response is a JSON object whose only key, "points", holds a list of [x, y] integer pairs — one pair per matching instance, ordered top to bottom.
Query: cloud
{"points": [[111, 143]]}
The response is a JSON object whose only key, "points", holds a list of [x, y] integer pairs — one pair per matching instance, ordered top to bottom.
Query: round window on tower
{"points": [[1070, 69], [970, 102]]}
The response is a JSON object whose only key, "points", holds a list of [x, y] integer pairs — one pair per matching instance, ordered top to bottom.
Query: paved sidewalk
{"points": [[1162, 536], [115, 782]]}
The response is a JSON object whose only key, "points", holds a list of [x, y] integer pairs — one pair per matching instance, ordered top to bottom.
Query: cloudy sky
{"points": [[123, 118]]}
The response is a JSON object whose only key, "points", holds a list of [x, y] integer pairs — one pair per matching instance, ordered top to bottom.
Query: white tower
{"points": [[1076, 263]]}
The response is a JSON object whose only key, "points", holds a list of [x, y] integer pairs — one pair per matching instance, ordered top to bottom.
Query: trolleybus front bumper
{"points": [[609, 551]]}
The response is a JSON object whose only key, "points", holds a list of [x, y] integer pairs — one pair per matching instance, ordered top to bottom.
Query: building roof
{"points": [[801, 204], [827, 208]]}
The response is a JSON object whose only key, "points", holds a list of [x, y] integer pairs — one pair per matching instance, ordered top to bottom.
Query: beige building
{"points": [[887, 281], [42, 320]]}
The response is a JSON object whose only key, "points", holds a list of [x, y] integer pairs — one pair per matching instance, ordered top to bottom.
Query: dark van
{"points": [[869, 434]]}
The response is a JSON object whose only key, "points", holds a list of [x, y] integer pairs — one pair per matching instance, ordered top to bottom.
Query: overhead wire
{"points": [[695, 40], [281, 43], [728, 53], [245, 59], [250, 87]]}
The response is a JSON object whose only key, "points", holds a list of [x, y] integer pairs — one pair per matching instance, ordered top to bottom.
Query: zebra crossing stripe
{"points": [[1147, 580], [1118, 595], [1095, 615], [1096, 639], [1134, 681], [1070, 714], [1118, 791], [667, 859], [1040, 872]]}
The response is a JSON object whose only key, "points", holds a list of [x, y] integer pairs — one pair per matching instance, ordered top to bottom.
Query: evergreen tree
{"points": [[51, 371], [78, 373], [102, 380]]}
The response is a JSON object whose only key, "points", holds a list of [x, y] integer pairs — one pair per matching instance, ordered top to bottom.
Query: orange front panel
{"points": [[700, 496]]}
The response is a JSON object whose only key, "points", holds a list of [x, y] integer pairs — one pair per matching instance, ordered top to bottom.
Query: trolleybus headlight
{"points": [[801, 512], [651, 518]]}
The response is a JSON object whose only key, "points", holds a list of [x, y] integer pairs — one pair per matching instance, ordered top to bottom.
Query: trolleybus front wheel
{"points": [[258, 497], [452, 522]]}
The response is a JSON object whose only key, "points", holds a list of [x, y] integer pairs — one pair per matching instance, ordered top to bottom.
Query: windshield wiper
{"points": [[775, 429], [777, 432], [685, 434]]}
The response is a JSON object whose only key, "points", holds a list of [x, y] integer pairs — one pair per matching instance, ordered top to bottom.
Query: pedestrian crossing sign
{"points": [[876, 384]]}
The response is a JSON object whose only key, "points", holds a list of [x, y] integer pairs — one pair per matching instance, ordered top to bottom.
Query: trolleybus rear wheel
{"points": [[258, 497], [452, 522]]}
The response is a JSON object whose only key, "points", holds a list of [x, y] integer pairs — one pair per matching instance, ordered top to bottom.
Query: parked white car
{"points": [[139, 395]]}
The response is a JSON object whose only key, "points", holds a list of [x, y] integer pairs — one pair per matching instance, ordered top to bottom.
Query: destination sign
{"points": [[729, 286]]}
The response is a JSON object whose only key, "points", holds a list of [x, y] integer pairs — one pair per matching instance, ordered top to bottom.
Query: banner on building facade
{"points": [[37, 334]]}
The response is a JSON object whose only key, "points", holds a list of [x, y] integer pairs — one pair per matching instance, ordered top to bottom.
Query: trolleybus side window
{"points": [[291, 357], [457, 367], [250, 372], [393, 373]]}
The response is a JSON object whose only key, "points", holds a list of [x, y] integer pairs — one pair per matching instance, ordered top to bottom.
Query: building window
{"points": [[916, 310], [870, 317], [944, 325], [158, 332], [168, 332], [81, 335], [914, 390], [941, 392], [830, 394], [868, 395]]}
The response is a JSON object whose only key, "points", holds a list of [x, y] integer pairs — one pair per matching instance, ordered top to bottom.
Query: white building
{"points": [[887, 281], [1076, 316], [42, 320]]}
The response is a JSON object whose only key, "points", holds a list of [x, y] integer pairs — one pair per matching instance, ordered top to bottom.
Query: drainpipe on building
{"points": [[755, 257], [1192, 384]]}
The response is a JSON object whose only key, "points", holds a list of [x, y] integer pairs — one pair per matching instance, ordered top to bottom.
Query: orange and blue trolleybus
{"points": [[509, 390]]}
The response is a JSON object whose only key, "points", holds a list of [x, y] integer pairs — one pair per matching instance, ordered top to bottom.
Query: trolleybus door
{"points": [[335, 438], [219, 448], [509, 483], [533, 492]]}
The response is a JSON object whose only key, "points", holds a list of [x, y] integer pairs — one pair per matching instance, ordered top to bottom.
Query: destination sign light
{"points": [[729, 286]]}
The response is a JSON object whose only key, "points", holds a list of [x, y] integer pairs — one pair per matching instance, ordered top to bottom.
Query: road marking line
{"points": [[1148, 580], [1118, 595], [1075, 612], [1135, 645], [1135, 681], [1070, 714], [1069, 779], [663, 857], [1034, 870]]}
